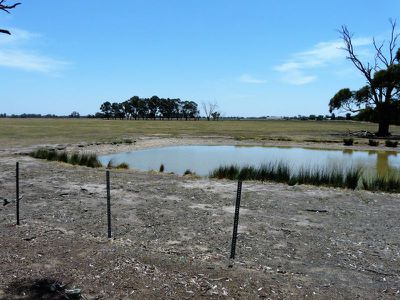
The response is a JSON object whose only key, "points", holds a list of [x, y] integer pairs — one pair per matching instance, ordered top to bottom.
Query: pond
{"points": [[203, 159]]}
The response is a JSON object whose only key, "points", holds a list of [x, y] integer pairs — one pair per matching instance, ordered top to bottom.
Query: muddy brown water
{"points": [[204, 159]]}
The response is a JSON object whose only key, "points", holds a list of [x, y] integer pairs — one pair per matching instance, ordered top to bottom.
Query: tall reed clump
{"points": [[83, 159], [228, 172], [281, 172], [319, 176], [352, 178], [389, 182]]}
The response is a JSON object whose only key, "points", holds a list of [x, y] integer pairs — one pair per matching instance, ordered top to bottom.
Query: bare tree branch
{"points": [[6, 8], [347, 38], [393, 41], [379, 55], [209, 108]]}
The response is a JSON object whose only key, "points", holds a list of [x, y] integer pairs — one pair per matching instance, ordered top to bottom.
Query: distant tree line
{"points": [[150, 108], [74, 114], [365, 115], [28, 116], [320, 117]]}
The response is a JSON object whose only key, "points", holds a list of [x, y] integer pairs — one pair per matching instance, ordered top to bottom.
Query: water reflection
{"points": [[203, 159], [383, 164]]}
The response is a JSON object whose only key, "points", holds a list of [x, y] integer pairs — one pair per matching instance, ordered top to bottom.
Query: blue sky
{"points": [[254, 58]]}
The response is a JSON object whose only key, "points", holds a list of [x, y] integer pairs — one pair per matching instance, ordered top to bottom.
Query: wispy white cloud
{"points": [[17, 37], [14, 53], [29, 61], [297, 69], [247, 78]]}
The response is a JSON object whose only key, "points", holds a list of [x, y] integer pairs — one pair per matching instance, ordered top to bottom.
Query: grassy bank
{"points": [[16, 132], [82, 159], [331, 177]]}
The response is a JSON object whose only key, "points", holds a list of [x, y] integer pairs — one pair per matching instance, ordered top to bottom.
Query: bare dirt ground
{"points": [[172, 234]]}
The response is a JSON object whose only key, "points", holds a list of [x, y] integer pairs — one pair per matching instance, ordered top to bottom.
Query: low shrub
{"points": [[348, 142], [373, 143], [392, 144], [122, 166], [188, 172]]}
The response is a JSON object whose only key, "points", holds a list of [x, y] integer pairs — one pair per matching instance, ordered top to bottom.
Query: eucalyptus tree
{"points": [[381, 94], [153, 104], [134, 105], [126, 108], [142, 108], [177, 108], [106, 109], [117, 110], [189, 110]]}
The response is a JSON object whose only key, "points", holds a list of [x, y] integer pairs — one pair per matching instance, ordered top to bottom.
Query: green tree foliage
{"points": [[379, 98], [150, 108], [106, 109], [117, 111], [74, 114]]}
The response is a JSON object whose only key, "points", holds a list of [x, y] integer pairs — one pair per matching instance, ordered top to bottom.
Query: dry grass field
{"points": [[24, 132]]}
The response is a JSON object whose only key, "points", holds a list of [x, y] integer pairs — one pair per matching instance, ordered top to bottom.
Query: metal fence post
{"points": [[17, 190], [108, 204], [236, 219]]}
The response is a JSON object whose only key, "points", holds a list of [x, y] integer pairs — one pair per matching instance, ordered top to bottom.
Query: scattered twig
{"points": [[6, 201], [317, 210], [381, 273], [218, 279]]}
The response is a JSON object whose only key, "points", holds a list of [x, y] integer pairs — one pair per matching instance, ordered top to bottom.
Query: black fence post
{"points": [[17, 190], [108, 204], [236, 219]]}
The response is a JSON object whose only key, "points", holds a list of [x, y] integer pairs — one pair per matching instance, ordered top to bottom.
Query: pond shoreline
{"points": [[157, 142]]}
